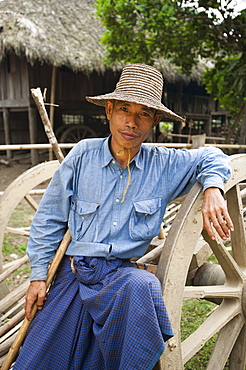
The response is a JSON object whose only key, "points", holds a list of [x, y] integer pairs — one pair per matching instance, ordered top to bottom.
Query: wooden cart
{"points": [[181, 260]]}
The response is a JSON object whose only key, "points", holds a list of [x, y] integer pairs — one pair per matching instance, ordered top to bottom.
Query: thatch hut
{"points": [[53, 45], [56, 45]]}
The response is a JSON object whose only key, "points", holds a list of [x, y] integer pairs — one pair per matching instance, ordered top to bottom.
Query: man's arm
{"points": [[214, 211]]}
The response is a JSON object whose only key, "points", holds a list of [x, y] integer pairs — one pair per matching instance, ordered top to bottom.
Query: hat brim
{"points": [[102, 99]]}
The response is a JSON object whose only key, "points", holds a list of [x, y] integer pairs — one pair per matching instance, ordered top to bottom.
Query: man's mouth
{"points": [[129, 135]]}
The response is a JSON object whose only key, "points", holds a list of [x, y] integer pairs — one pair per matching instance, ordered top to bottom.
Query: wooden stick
{"points": [[38, 98], [18, 263], [12, 322], [13, 351], [12, 354]]}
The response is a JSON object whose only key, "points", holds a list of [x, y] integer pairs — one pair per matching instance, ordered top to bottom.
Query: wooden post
{"points": [[52, 101], [208, 126], [7, 131], [33, 133], [242, 136]]}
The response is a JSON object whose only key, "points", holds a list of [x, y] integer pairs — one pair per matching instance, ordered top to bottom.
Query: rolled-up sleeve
{"points": [[213, 169]]}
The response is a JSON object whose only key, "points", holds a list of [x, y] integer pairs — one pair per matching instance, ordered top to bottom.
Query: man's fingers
{"points": [[215, 214], [229, 222], [221, 223], [208, 227], [221, 228], [35, 293]]}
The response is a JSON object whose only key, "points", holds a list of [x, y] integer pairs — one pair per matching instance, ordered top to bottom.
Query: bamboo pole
{"points": [[71, 145], [34, 146], [12, 354]]}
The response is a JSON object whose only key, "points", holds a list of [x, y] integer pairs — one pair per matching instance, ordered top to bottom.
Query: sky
{"points": [[239, 5]]}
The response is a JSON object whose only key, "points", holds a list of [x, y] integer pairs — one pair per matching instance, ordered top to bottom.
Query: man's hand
{"points": [[214, 211], [35, 293]]}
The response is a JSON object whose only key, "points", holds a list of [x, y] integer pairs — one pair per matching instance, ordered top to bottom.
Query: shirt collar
{"points": [[107, 156]]}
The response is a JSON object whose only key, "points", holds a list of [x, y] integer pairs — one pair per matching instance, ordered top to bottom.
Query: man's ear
{"points": [[109, 109], [157, 119]]}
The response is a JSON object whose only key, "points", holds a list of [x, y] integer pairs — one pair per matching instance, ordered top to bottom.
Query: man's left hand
{"points": [[214, 211]]}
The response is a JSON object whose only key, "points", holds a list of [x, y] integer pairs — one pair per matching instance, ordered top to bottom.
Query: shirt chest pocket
{"points": [[83, 219], [145, 219]]}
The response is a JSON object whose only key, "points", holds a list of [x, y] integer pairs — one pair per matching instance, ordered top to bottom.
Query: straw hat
{"points": [[138, 83]]}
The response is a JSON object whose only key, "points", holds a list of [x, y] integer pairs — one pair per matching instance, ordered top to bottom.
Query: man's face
{"points": [[130, 124]]}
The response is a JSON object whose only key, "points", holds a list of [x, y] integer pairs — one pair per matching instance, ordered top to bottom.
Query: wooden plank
{"points": [[14, 103], [32, 120]]}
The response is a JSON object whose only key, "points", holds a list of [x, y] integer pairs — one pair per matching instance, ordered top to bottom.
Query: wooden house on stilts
{"points": [[56, 45]]}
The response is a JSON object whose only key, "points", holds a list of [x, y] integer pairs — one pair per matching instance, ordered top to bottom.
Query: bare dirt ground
{"points": [[20, 164], [9, 173]]}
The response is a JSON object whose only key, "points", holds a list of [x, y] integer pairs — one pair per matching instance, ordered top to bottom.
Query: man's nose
{"points": [[132, 120]]}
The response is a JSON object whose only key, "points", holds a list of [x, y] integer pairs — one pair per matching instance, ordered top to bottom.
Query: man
{"points": [[102, 312]]}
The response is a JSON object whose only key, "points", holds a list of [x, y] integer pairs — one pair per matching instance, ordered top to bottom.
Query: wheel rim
{"points": [[77, 132], [18, 190], [173, 269], [12, 302]]}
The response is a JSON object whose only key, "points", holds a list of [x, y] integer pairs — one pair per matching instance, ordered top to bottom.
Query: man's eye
{"points": [[124, 109], [145, 114]]}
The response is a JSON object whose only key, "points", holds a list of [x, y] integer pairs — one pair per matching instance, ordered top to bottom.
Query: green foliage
{"points": [[180, 30], [183, 32], [227, 81], [11, 245], [194, 313]]}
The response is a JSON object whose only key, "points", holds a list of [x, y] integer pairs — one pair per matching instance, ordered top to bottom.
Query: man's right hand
{"points": [[35, 293]]}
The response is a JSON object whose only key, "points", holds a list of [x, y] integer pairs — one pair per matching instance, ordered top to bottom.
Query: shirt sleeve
{"points": [[207, 165], [213, 169], [50, 221]]}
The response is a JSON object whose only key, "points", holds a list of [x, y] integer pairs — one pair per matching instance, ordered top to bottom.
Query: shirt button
{"points": [[113, 162], [120, 176], [117, 200], [82, 217], [115, 223]]}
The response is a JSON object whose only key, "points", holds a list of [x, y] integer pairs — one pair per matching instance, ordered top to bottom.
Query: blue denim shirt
{"points": [[85, 196]]}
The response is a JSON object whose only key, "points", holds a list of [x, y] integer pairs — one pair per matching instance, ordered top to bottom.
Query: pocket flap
{"points": [[149, 206], [83, 207]]}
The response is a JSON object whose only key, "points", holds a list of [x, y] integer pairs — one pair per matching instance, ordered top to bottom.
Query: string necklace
{"points": [[120, 153]]}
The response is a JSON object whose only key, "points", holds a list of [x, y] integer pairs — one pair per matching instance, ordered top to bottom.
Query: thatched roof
{"points": [[56, 32], [63, 33]]}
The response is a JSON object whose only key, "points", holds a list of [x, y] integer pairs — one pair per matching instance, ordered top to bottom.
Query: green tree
{"points": [[184, 32]]}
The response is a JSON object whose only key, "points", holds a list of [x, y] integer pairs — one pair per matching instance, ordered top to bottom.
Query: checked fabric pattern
{"points": [[106, 316]]}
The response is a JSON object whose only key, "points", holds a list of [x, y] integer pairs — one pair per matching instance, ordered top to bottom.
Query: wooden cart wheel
{"points": [[60, 130], [77, 132], [10, 303], [228, 319]]}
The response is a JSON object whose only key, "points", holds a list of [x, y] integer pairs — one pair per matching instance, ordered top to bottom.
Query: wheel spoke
{"points": [[84, 134], [73, 137], [31, 202], [23, 231], [238, 238], [232, 271], [214, 291], [217, 320], [225, 342], [238, 354]]}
